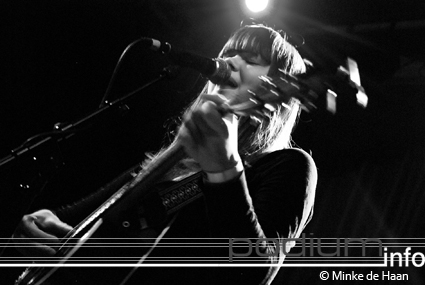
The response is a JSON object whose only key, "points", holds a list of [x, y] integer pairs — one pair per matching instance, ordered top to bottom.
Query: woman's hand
{"points": [[210, 137], [38, 233]]}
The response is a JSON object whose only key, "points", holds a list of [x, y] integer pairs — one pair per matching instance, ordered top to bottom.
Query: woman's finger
{"points": [[216, 98], [211, 119], [51, 224], [31, 230], [33, 247]]}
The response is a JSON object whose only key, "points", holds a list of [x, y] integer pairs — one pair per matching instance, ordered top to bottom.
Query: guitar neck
{"points": [[158, 167], [133, 191]]}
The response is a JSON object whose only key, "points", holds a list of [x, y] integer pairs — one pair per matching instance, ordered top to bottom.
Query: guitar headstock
{"points": [[305, 88]]}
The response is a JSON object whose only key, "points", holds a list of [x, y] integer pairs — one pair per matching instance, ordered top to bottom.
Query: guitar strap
{"points": [[166, 201]]}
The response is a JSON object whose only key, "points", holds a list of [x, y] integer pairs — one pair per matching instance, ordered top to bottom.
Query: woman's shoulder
{"points": [[285, 156], [291, 164]]}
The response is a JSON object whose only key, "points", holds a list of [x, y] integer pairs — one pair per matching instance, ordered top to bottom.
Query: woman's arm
{"points": [[273, 199]]}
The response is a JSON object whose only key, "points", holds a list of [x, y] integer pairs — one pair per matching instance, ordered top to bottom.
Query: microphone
{"points": [[215, 69]]}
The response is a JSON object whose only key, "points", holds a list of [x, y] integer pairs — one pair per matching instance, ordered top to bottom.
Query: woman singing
{"points": [[254, 184]]}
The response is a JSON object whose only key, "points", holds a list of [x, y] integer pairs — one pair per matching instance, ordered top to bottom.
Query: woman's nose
{"points": [[234, 62]]}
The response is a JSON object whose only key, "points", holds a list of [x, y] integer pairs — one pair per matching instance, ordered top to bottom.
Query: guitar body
{"points": [[87, 257], [91, 259], [58, 274]]}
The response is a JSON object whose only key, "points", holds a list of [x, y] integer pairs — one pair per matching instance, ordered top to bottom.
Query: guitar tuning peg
{"points": [[283, 71], [263, 78], [292, 78], [283, 79], [267, 80], [295, 85], [252, 93], [274, 93], [255, 99], [286, 106], [269, 107], [304, 108], [255, 121]]}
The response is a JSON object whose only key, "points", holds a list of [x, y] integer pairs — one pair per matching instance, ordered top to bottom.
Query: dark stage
{"points": [[58, 57]]}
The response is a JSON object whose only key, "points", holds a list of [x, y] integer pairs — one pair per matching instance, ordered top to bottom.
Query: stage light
{"points": [[256, 5]]}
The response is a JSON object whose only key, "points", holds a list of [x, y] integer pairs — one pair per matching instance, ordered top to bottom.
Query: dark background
{"points": [[58, 56]]}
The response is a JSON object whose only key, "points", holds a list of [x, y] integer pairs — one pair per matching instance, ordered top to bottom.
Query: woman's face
{"points": [[246, 68]]}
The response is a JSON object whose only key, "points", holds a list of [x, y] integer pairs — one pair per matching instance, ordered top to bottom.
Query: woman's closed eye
{"points": [[248, 57], [253, 59]]}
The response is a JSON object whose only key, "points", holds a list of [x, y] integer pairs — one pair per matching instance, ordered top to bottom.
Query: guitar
{"points": [[276, 92]]}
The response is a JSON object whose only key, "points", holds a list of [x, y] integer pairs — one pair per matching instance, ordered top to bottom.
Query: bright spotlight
{"points": [[256, 5]]}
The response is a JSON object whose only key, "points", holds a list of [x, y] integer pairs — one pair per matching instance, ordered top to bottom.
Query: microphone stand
{"points": [[45, 164]]}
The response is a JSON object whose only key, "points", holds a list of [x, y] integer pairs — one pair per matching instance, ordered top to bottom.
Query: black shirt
{"points": [[272, 199]]}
